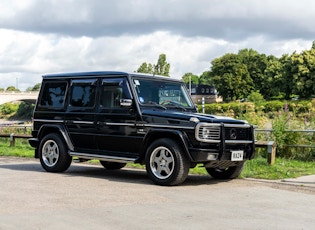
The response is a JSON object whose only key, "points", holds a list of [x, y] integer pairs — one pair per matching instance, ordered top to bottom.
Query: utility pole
{"points": [[190, 85]]}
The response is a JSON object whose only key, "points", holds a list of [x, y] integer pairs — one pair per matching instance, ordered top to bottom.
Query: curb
{"points": [[304, 181]]}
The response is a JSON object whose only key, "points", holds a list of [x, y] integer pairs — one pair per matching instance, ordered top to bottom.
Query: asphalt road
{"points": [[90, 197]]}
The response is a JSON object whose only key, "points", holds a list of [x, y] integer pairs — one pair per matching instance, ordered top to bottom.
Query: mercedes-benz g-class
{"points": [[119, 117]]}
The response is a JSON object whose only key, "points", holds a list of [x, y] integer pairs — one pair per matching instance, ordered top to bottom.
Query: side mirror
{"points": [[125, 103]]}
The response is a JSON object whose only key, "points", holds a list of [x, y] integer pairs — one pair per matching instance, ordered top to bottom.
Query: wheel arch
{"points": [[59, 129], [179, 136]]}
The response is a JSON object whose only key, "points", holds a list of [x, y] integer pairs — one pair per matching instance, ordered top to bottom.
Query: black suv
{"points": [[119, 117]]}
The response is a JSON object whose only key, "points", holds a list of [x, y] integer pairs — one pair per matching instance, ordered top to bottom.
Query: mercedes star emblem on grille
{"points": [[233, 134]]}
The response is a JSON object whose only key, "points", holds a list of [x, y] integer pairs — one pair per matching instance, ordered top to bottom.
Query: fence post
{"points": [[12, 140], [271, 152]]}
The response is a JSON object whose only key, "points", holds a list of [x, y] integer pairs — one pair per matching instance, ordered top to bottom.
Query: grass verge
{"points": [[256, 168]]}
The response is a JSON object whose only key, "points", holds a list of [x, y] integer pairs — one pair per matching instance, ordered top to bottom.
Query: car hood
{"points": [[187, 116]]}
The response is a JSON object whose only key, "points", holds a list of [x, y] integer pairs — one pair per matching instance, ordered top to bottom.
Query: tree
{"points": [[256, 64], [161, 67], [145, 68], [303, 73], [231, 77], [190, 78], [205, 78], [274, 82], [12, 88], [34, 88], [256, 97]]}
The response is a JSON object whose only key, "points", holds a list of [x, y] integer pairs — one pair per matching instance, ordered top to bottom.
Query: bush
{"points": [[273, 106], [9, 108], [21, 110], [25, 110], [284, 133]]}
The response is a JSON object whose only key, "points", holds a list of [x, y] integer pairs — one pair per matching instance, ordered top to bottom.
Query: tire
{"points": [[53, 154], [165, 163], [112, 165], [228, 173]]}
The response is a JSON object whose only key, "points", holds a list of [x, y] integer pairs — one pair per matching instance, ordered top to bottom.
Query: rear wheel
{"points": [[53, 154], [166, 163], [112, 165], [226, 173]]}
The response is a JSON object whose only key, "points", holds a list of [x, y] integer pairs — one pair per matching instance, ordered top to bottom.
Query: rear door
{"points": [[80, 115]]}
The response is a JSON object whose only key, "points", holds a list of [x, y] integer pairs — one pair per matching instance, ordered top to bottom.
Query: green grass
{"points": [[21, 148], [256, 168], [283, 168]]}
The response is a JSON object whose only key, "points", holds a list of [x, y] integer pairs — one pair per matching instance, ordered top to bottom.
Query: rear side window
{"points": [[83, 93], [53, 94]]}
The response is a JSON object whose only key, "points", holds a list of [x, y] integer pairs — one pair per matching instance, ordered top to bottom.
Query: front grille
{"points": [[232, 133], [236, 133]]}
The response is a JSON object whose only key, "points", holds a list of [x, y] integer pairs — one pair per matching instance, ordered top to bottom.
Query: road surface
{"points": [[90, 197]]}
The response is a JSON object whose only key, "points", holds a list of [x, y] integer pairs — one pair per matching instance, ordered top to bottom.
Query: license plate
{"points": [[237, 155]]}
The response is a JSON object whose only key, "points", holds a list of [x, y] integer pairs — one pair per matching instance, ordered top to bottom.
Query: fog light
{"points": [[211, 157]]}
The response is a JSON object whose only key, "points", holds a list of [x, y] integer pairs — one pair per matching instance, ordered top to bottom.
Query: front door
{"points": [[117, 133]]}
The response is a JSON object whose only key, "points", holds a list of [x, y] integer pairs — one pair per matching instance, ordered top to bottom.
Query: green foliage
{"points": [[256, 64], [145, 68], [160, 68], [302, 70], [237, 75], [189, 77], [230, 77], [205, 78], [12, 88], [34, 88], [256, 97], [273, 106], [9, 109], [235, 109], [21, 110], [25, 110], [286, 118], [16, 130], [285, 133], [21, 148], [283, 168]]}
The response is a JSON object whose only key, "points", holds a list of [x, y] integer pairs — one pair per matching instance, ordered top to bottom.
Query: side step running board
{"points": [[103, 157]]}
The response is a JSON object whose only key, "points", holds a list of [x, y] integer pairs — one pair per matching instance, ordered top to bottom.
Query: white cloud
{"points": [[47, 36]]}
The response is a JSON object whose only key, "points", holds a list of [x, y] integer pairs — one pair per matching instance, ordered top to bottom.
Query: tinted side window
{"points": [[112, 91], [83, 93], [53, 94]]}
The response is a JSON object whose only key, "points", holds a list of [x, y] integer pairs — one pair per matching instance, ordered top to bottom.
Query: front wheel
{"points": [[53, 154], [166, 163], [226, 173]]}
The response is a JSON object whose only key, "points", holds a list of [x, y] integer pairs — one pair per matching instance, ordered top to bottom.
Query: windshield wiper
{"points": [[157, 105], [176, 105], [180, 107]]}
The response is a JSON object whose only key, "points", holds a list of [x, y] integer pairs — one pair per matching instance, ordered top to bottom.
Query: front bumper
{"points": [[201, 155]]}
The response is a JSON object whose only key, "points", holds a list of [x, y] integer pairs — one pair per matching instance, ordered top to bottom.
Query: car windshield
{"points": [[162, 93]]}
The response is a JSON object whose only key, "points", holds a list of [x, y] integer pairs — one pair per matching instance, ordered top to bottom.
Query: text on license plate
{"points": [[237, 155]]}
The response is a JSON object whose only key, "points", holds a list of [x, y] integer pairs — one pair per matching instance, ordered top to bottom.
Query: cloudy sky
{"points": [[48, 36]]}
